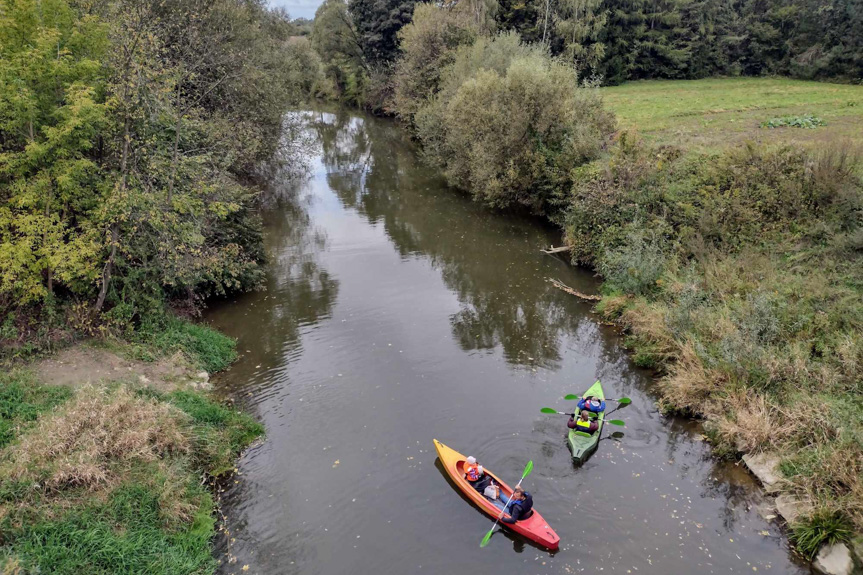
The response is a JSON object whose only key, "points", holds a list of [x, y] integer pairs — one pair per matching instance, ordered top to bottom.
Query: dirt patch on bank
{"points": [[84, 364]]}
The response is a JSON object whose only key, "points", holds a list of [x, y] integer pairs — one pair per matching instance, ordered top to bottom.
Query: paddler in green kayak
{"points": [[591, 403], [583, 423]]}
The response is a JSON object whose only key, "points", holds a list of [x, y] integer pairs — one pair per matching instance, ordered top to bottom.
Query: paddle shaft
{"points": [[577, 397], [609, 421], [507, 503]]}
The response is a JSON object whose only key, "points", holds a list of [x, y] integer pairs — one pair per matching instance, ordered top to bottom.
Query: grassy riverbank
{"points": [[738, 274], [110, 476]]}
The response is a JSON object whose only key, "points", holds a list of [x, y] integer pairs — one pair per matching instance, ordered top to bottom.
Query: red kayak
{"points": [[534, 527]]}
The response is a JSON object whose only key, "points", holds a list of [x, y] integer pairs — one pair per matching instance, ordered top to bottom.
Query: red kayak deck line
{"points": [[534, 527]]}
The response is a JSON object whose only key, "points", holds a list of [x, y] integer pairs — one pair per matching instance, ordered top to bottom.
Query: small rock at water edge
{"points": [[766, 468], [789, 507], [834, 560]]}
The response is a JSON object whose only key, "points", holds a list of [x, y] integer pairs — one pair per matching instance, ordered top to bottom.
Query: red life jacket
{"points": [[471, 471]]}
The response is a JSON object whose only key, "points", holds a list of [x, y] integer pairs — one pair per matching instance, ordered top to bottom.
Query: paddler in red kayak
{"points": [[475, 474], [520, 507]]}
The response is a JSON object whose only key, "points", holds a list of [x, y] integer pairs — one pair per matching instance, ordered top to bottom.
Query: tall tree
{"points": [[527, 17], [378, 23], [579, 24], [623, 31], [340, 46], [50, 79]]}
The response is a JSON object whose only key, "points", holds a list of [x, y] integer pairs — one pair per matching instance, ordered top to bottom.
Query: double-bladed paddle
{"points": [[621, 401], [554, 411], [527, 469]]}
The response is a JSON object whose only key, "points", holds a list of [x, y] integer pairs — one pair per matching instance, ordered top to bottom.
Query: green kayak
{"points": [[580, 443]]}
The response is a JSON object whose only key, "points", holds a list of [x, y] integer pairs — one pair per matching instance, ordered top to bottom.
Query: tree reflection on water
{"points": [[486, 258]]}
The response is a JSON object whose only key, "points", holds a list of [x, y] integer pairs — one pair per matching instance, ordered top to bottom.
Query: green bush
{"points": [[428, 46], [809, 122], [510, 123], [719, 201], [636, 266]]}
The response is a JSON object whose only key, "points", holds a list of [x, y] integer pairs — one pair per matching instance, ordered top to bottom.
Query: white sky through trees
{"points": [[298, 8]]}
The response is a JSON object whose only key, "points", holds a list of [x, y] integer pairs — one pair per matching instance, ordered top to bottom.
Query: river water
{"points": [[396, 311]]}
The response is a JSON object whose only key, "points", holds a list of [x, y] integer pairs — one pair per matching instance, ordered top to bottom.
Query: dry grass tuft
{"points": [[611, 307], [647, 322], [689, 384], [750, 423], [92, 440], [175, 506]]}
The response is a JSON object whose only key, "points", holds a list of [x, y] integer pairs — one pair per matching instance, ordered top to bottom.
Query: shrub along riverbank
{"points": [[131, 134], [736, 268], [739, 276], [112, 478]]}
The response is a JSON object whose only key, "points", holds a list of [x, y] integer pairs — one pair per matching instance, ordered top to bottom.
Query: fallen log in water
{"points": [[556, 250], [560, 285]]}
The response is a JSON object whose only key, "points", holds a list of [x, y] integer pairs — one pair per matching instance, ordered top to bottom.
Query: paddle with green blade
{"points": [[621, 401], [554, 411], [527, 469]]}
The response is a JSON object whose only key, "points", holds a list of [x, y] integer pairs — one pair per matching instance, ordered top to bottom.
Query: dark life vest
{"points": [[525, 504]]}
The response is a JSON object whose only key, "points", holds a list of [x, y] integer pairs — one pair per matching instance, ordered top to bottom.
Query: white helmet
{"points": [[471, 459]]}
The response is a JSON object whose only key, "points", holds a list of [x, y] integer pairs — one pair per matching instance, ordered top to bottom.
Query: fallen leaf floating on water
{"points": [[336, 464]]}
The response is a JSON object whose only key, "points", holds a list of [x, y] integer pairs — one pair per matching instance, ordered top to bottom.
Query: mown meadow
{"points": [[712, 113]]}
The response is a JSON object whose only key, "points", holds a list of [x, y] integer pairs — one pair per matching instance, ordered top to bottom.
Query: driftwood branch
{"points": [[556, 250], [562, 286]]}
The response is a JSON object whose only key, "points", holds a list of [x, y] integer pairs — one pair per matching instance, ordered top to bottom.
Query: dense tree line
{"points": [[621, 40], [611, 41], [129, 133]]}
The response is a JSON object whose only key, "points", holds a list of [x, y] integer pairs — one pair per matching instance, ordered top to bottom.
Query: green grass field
{"points": [[715, 112]]}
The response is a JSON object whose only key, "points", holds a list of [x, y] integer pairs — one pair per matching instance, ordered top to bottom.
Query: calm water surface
{"points": [[397, 311]]}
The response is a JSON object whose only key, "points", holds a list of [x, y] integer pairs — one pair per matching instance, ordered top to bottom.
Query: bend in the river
{"points": [[397, 311]]}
